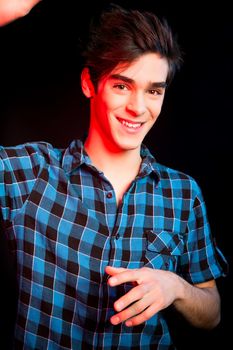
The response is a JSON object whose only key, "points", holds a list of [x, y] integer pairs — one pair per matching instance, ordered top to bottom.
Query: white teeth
{"points": [[130, 125]]}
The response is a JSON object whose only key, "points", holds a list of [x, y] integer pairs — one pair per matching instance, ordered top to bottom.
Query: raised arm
{"points": [[10, 10]]}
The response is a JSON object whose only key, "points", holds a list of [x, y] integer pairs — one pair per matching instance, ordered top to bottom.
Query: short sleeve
{"points": [[2, 186], [202, 259]]}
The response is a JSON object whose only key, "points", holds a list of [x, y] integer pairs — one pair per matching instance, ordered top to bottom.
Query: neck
{"points": [[104, 158], [120, 168]]}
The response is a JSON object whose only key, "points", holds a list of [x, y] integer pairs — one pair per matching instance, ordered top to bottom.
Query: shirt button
{"points": [[109, 195], [117, 236]]}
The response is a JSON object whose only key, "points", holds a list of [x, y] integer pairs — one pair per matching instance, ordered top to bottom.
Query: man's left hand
{"points": [[153, 291]]}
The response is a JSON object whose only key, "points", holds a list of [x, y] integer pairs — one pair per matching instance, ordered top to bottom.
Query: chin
{"points": [[129, 147]]}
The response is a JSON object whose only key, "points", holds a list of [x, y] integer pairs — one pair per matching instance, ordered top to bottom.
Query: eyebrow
{"points": [[152, 85]]}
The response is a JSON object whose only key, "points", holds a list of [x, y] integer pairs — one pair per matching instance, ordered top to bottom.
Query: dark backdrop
{"points": [[40, 99]]}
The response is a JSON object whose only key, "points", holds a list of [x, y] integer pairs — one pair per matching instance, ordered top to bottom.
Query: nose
{"points": [[136, 104]]}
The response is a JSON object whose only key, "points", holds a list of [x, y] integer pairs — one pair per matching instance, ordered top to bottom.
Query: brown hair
{"points": [[121, 35]]}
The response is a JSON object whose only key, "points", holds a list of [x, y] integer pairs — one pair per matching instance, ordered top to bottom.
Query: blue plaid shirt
{"points": [[63, 225]]}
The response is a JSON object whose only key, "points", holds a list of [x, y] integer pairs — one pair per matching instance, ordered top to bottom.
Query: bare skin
{"points": [[10, 10], [125, 106], [123, 110], [153, 290], [156, 290]]}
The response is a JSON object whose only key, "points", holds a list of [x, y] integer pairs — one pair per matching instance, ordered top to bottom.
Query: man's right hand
{"points": [[10, 10]]}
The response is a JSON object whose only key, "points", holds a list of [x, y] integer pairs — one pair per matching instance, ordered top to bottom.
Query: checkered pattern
{"points": [[61, 219]]}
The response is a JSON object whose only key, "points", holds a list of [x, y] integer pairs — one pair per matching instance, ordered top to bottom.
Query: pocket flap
{"points": [[165, 242]]}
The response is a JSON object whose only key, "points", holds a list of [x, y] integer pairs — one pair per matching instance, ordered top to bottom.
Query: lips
{"points": [[130, 124]]}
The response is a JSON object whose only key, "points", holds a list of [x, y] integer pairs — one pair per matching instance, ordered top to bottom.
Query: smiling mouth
{"points": [[129, 124]]}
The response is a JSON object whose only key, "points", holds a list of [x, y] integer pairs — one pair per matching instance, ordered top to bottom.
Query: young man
{"points": [[105, 237]]}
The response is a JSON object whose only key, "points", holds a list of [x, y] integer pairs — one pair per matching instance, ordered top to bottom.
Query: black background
{"points": [[40, 99]]}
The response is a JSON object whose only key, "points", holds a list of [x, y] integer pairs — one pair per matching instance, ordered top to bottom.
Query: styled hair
{"points": [[122, 35]]}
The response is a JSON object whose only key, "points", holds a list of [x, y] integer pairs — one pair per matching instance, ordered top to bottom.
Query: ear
{"points": [[86, 83]]}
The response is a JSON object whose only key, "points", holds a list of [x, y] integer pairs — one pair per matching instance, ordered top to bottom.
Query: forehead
{"points": [[148, 67]]}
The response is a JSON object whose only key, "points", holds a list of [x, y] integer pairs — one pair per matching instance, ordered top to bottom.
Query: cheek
{"points": [[113, 100], [104, 105], [100, 108], [104, 109], [155, 110]]}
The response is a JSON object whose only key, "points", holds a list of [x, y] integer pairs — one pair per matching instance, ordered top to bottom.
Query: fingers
{"points": [[33, 2], [27, 5], [10, 10], [110, 270], [121, 275], [132, 296], [141, 302], [137, 313], [143, 317]]}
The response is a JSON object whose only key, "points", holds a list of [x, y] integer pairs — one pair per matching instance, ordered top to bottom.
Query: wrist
{"points": [[181, 287]]}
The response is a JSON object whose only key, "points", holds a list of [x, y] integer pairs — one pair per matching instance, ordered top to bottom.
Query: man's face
{"points": [[128, 101]]}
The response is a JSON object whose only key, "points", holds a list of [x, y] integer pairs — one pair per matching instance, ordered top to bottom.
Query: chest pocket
{"points": [[163, 250]]}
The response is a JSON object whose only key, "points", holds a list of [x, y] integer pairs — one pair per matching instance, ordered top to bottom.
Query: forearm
{"points": [[155, 290], [199, 304]]}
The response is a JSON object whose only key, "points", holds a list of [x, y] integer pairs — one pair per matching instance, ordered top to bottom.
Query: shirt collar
{"points": [[75, 156], [149, 164]]}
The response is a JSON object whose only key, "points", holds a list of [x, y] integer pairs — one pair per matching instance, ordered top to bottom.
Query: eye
{"points": [[120, 87], [155, 92]]}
